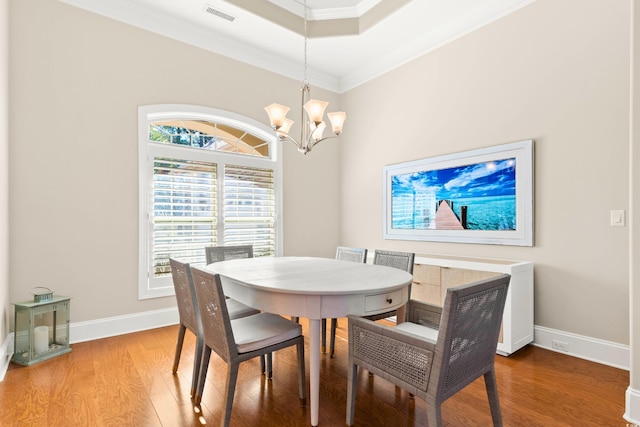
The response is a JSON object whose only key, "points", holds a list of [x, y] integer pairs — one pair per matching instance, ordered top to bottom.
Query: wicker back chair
{"points": [[224, 253], [345, 254], [351, 254], [401, 260], [189, 318], [240, 339], [434, 359]]}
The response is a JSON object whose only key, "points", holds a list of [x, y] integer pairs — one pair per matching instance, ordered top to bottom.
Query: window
{"points": [[207, 177]]}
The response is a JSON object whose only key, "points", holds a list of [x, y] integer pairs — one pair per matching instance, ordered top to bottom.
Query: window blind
{"points": [[250, 208], [184, 211]]}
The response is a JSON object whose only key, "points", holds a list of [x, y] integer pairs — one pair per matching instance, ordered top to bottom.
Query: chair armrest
{"points": [[425, 314], [400, 357]]}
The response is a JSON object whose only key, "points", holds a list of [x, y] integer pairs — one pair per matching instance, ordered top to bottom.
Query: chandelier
{"points": [[312, 113]]}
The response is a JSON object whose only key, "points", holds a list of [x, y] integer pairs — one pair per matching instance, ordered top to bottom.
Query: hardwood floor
{"points": [[127, 381]]}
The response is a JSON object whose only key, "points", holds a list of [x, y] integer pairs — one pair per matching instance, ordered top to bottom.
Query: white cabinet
{"points": [[433, 274]]}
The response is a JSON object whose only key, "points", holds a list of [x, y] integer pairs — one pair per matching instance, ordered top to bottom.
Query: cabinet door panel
{"points": [[452, 277], [426, 283]]}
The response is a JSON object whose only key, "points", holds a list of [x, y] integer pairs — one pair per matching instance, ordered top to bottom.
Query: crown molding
{"points": [[172, 27], [176, 29], [430, 42]]}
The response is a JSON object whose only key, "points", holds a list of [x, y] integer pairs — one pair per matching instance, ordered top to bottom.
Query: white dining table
{"points": [[315, 288]]}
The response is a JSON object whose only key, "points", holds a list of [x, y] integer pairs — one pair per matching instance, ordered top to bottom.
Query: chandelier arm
{"points": [[286, 137], [312, 144]]}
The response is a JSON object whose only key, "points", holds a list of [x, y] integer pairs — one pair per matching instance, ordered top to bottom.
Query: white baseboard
{"points": [[119, 325], [102, 328], [583, 347], [593, 349], [604, 352], [6, 353], [632, 403]]}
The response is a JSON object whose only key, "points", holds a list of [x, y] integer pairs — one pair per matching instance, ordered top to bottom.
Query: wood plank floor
{"points": [[127, 381]]}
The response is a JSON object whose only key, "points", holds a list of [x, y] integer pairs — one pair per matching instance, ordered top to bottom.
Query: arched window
{"points": [[207, 177]]}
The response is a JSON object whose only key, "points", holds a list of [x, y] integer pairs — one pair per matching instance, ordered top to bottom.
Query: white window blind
{"points": [[249, 208], [184, 211]]}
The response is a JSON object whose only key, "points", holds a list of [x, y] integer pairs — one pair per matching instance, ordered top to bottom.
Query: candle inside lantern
{"points": [[41, 339]]}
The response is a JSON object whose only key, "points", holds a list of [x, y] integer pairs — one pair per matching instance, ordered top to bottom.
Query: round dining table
{"points": [[315, 288]]}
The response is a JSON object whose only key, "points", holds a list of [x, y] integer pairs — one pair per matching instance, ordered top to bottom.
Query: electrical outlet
{"points": [[559, 345]]}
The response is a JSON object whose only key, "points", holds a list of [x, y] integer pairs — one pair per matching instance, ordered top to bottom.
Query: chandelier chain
{"points": [[306, 80]]}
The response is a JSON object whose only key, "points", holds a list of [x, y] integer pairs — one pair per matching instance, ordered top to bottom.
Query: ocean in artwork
{"points": [[487, 192], [488, 213]]}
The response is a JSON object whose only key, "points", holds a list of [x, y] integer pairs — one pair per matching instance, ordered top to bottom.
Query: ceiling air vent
{"points": [[212, 10]]}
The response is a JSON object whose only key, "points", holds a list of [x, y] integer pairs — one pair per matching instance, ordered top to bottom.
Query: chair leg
{"points": [[323, 333], [332, 343], [176, 359], [197, 363], [269, 366], [204, 367], [302, 384], [230, 388], [492, 392], [351, 393], [434, 413]]}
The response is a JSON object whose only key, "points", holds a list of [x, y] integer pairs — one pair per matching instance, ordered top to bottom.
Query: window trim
{"points": [[148, 149]]}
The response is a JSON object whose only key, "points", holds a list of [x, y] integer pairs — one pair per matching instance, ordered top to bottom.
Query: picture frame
{"points": [[482, 196]]}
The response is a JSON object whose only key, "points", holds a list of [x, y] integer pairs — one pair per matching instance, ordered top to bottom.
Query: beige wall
{"points": [[553, 71], [77, 80], [634, 160], [4, 171]]}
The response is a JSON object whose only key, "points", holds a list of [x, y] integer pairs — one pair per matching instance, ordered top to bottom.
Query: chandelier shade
{"points": [[277, 114]]}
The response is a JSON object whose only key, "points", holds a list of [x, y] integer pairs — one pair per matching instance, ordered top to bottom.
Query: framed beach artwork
{"points": [[480, 196]]}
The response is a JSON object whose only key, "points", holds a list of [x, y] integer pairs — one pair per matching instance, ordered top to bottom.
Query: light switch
{"points": [[617, 218]]}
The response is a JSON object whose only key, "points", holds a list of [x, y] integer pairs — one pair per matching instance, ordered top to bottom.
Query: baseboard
{"points": [[119, 325], [583, 347], [595, 350], [604, 352], [6, 353], [632, 412]]}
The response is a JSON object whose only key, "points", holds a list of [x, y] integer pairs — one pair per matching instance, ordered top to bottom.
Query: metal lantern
{"points": [[41, 329]]}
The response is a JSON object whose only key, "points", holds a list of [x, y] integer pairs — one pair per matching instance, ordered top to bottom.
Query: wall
{"points": [[554, 71], [76, 84], [4, 180], [632, 412]]}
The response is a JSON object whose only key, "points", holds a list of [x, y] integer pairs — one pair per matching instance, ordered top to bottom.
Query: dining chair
{"points": [[225, 253], [346, 254], [403, 261], [190, 318], [238, 340], [438, 350]]}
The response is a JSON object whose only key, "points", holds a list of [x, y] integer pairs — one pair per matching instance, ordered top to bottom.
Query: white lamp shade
{"points": [[315, 109], [276, 114], [337, 121], [286, 126], [317, 132]]}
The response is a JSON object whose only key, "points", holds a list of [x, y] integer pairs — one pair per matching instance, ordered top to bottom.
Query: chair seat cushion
{"points": [[237, 309], [262, 330], [422, 331]]}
